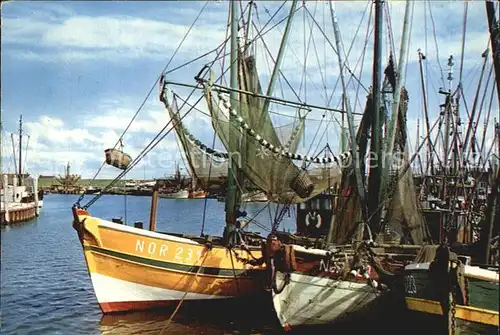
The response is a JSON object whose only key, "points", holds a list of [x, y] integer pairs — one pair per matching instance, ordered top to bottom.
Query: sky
{"points": [[78, 71]]}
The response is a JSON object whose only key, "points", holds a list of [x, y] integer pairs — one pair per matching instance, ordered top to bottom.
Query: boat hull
{"points": [[175, 195], [197, 195], [254, 197], [134, 269], [316, 293], [312, 300], [479, 315]]}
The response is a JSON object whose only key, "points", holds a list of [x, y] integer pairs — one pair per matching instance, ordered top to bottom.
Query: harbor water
{"points": [[45, 286], [46, 289]]}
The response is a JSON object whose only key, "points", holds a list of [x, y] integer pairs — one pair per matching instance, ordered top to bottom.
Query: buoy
{"points": [[317, 217]]}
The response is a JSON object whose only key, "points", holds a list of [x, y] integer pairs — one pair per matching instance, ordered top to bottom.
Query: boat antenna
{"points": [[20, 166]]}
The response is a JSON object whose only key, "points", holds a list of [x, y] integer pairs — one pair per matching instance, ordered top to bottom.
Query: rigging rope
{"points": [[464, 31], [436, 44], [332, 46], [272, 58], [360, 59], [149, 93], [473, 123], [485, 129], [213, 141], [143, 153], [26, 155], [401, 174], [162, 331]]}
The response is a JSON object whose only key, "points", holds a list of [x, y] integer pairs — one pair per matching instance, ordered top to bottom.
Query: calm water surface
{"points": [[45, 287]]}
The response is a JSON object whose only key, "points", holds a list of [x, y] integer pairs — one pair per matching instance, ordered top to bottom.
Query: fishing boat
{"points": [[92, 190], [177, 191], [181, 194], [197, 194], [255, 196], [20, 199], [354, 259], [133, 268], [445, 287], [453, 295]]}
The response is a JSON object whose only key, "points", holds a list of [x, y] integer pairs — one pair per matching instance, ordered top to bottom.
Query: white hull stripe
{"points": [[470, 271], [108, 290]]}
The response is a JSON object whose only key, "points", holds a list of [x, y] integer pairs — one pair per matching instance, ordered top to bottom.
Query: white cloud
{"points": [[73, 37], [108, 37], [52, 144]]}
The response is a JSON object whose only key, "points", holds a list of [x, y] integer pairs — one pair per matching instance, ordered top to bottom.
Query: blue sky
{"points": [[78, 71]]}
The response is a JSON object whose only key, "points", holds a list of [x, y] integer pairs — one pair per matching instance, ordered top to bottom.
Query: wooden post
{"points": [[15, 189], [35, 195], [6, 200], [154, 203]]}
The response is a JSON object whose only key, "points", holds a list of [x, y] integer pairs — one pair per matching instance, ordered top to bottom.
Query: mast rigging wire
{"points": [[464, 32], [436, 44], [151, 90], [485, 129], [213, 141], [150, 146], [143, 153]]}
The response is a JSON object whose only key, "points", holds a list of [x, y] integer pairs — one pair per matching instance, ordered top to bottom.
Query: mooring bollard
{"points": [[35, 193]]}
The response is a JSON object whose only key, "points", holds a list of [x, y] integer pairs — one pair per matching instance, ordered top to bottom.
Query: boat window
{"points": [[315, 204], [327, 204], [303, 205]]}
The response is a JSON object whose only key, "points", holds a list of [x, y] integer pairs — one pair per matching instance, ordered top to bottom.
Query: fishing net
{"points": [[203, 166], [270, 172], [348, 211], [404, 215]]}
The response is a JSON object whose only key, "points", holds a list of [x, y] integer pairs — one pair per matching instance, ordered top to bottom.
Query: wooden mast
{"points": [[495, 41], [375, 143], [430, 161], [232, 192], [492, 209]]}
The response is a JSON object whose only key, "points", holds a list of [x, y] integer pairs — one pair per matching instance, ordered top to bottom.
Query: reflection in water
{"points": [[232, 318]]}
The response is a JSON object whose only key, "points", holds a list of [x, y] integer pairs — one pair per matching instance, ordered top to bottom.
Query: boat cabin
{"points": [[314, 216]]}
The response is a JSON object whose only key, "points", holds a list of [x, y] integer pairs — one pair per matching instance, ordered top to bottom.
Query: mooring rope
{"points": [[185, 294]]}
